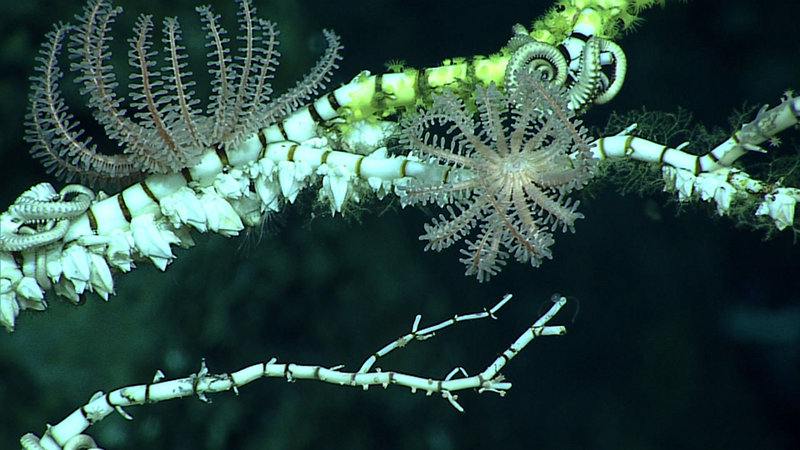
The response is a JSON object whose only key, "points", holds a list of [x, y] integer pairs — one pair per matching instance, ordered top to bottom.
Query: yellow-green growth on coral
{"points": [[607, 17]]}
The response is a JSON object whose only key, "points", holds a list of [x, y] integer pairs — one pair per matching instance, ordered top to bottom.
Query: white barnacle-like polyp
{"points": [[364, 136], [292, 178], [682, 180], [231, 184], [335, 184], [714, 186], [267, 189], [723, 196], [780, 205], [183, 207], [220, 216], [152, 241], [118, 252], [53, 267], [76, 267], [102, 281], [32, 294], [9, 307]]}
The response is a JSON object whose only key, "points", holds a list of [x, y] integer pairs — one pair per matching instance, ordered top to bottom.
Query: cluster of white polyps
{"points": [[727, 183]]}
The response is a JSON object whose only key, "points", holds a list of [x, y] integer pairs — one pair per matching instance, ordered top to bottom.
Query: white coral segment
{"points": [[780, 205], [183, 207], [220, 216]]}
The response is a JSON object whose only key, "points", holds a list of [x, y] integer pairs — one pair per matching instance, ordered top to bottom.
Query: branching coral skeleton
{"points": [[496, 140], [67, 433]]}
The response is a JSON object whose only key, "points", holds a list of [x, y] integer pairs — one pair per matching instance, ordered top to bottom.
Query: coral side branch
{"points": [[767, 124], [710, 177], [203, 382]]}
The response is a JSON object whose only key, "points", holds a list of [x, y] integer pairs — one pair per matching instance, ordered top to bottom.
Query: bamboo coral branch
{"points": [[203, 383]]}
